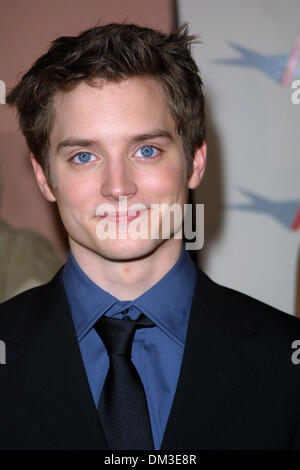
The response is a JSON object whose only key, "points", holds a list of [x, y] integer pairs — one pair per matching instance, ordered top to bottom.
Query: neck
{"points": [[127, 280]]}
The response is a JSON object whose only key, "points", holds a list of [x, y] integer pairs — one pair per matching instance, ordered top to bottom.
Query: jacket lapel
{"points": [[47, 374], [214, 378]]}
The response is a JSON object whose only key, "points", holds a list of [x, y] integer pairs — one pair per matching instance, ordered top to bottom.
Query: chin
{"points": [[127, 250]]}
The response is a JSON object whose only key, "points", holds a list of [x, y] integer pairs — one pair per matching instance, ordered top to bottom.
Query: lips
{"points": [[122, 217]]}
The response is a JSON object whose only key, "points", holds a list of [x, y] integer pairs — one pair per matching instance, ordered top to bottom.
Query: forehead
{"points": [[112, 110]]}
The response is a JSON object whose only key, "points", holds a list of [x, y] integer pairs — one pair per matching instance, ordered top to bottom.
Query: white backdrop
{"points": [[251, 188]]}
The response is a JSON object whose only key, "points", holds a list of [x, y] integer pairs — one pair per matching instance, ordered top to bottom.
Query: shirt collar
{"points": [[167, 303]]}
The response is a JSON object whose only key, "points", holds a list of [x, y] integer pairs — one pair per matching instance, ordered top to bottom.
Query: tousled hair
{"points": [[112, 52]]}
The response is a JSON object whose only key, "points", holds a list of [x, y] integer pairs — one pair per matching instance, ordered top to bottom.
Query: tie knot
{"points": [[117, 335]]}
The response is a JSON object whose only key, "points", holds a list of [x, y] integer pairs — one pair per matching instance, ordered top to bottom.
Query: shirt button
{"points": [[125, 311]]}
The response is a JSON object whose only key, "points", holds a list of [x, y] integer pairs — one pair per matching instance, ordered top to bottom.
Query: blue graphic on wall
{"points": [[281, 68], [287, 213]]}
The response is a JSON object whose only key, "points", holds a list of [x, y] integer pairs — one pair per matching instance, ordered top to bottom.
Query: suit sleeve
{"points": [[296, 437]]}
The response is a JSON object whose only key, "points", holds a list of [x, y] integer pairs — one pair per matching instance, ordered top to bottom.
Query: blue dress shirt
{"points": [[156, 352]]}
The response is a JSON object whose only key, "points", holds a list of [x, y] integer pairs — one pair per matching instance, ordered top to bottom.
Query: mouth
{"points": [[121, 217]]}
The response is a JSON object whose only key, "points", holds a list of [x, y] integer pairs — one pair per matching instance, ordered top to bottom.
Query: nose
{"points": [[118, 180]]}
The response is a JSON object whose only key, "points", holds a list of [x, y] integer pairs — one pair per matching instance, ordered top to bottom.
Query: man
{"points": [[117, 114], [26, 260]]}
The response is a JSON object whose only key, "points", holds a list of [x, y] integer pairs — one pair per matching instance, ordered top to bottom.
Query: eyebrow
{"points": [[78, 142]]}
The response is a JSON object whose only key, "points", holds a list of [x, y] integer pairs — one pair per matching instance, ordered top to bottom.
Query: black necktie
{"points": [[122, 408]]}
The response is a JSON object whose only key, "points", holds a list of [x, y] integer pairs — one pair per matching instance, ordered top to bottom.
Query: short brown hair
{"points": [[112, 52]]}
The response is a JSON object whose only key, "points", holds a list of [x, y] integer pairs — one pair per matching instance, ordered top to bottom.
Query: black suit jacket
{"points": [[237, 388]]}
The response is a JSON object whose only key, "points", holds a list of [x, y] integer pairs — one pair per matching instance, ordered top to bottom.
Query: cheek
{"points": [[165, 178], [168, 185], [74, 191], [75, 204]]}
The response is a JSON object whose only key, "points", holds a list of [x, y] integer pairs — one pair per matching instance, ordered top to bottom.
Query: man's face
{"points": [[113, 140]]}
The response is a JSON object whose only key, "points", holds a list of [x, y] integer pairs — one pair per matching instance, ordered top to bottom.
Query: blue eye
{"points": [[147, 151], [83, 157]]}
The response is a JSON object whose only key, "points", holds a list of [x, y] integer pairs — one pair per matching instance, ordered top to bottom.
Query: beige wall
{"points": [[27, 28], [251, 185]]}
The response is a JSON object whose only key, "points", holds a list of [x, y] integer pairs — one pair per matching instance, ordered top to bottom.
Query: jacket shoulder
{"points": [[233, 307], [21, 310]]}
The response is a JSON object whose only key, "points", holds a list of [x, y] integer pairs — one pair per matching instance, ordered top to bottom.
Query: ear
{"points": [[199, 163], [42, 180]]}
